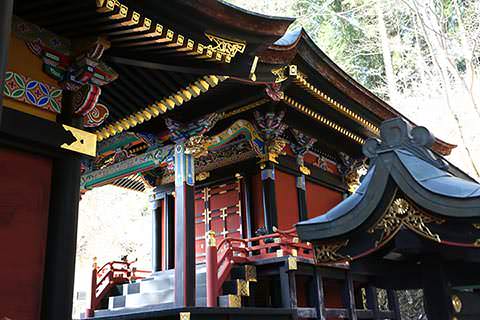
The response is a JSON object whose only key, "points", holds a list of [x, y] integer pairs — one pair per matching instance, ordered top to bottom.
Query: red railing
{"points": [[229, 251], [109, 275]]}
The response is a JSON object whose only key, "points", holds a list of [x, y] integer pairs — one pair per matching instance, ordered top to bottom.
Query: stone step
{"points": [[156, 282], [144, 298], [137, 300], [129, 311]]}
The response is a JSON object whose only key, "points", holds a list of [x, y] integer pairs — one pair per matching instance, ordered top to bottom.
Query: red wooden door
{"points": [[217, 208]]}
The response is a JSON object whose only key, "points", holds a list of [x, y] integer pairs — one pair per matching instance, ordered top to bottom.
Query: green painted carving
{"points": [[152, 159]]}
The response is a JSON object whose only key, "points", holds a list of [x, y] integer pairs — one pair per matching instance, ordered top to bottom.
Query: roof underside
{"points": [[164, 67]]}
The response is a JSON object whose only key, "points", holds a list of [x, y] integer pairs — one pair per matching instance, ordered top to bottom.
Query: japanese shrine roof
{"points": [[192, 57], [406, 180]]}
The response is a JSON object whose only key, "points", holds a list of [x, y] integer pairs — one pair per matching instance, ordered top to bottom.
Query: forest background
{"points": [[421, 56]]}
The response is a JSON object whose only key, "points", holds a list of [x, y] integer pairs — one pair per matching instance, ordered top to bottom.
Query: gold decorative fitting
{"points": [[225, 46], [253, 68], [292, 70], [280, 74], [320, 95], [244, 108], [312, 114], [85, 143], [196, 146], [275, 148], [304, 170], [202, 176], [352, 178], [402, 214], [476, 225], [210, 238], [294, 252], [327, 252], [279, 253], [292, 263], [250, 273], [243, 288], [234, 301], [457, 303], [184, 315]]}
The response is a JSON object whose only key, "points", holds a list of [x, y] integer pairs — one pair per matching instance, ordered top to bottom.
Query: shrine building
{"points": [[280, 188]]}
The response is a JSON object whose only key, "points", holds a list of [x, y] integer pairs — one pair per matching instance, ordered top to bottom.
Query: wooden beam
{"points": [[6, 9], [165, 67], [146, 161]]}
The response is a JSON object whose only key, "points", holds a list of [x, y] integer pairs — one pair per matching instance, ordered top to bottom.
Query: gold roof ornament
{"points": [[225, 46], [402, 214]]}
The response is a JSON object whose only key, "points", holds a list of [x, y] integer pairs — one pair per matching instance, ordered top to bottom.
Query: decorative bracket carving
{"points": [[271, 127], [300, 146], [351, 170], [402, 214], [328, 252]]}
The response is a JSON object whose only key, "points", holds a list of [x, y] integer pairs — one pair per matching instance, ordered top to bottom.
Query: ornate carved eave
{"points": [[408, 189]]}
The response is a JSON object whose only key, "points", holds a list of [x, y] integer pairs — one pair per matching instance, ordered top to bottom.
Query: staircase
{"points": [[158, 290]]}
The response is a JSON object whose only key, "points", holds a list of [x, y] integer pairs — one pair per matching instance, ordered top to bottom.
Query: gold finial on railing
{"points": [[210, 238], [95, 265]]}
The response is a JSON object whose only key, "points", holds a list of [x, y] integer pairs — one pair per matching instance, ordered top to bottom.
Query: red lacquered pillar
{"points": [[212, 270]]}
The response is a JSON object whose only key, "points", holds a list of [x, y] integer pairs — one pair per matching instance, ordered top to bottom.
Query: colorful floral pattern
{"points": [[25, 89]]}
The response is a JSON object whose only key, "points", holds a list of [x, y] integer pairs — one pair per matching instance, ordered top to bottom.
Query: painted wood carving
{"points": [[33, 92]]}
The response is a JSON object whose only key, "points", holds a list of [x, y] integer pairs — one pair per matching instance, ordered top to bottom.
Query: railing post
{"points": [[212, 272], [90, 312]]}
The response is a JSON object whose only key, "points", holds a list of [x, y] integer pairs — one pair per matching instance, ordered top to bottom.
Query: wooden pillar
{"points": [[6, 9], [246, 192], [269, 197], [302, 198], [157, 200], [184, 228], [62, 229], [169, 238], [212, 269], [288, 286], [436, 293], [319, 294], [349, 297], [372, 302], [393, 304]]}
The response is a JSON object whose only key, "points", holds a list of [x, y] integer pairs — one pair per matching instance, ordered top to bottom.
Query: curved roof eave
{"points": [[241, 19], [304, 47], [402, 161]]}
